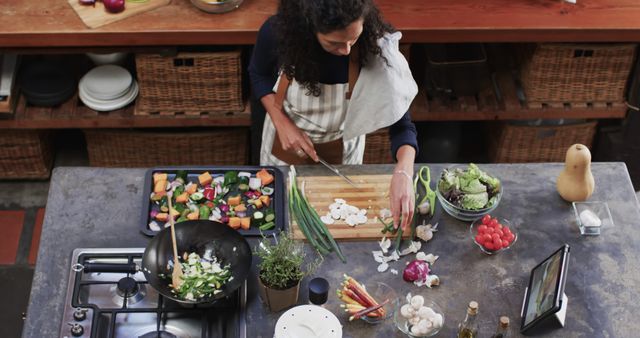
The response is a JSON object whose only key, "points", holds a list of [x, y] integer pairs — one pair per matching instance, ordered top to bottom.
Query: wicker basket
{"points": [[576, 73], [189, 83], [515, 143], [143, 148], [377, 148], [25, 154]]}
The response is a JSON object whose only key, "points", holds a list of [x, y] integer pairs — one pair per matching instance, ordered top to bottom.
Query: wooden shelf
{"points": [[53, 23], [488, 106], [73, 114]]}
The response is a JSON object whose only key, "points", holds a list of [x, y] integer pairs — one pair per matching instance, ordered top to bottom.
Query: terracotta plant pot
{"points": [[279, 299]]}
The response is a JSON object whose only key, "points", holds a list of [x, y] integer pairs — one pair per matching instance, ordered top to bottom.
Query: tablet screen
{"points": [[543, 287]]}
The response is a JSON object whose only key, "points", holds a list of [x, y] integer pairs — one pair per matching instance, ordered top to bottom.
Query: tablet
{"points": [[546, 289]]}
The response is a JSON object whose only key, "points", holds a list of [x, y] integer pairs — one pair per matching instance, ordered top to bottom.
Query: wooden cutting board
{"points": [[98, 16], [372, 195]]}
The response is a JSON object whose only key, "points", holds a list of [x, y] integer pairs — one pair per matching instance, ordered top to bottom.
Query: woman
{"points": [[327, 73]]}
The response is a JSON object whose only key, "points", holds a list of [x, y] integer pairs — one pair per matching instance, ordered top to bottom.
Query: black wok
{"points": [[199, 236]]}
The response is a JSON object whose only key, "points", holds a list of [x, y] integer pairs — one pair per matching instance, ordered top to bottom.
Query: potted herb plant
{"points": [[281, 270]]}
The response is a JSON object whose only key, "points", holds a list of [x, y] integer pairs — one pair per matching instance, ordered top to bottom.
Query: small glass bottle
{"points": [[469, 328], [503, 328]]}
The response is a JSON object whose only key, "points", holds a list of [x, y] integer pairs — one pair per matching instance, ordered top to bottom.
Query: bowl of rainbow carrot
{"points": [[372, 303]]}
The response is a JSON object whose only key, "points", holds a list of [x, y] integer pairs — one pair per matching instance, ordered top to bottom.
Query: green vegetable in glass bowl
{"points": [[470, 188]]}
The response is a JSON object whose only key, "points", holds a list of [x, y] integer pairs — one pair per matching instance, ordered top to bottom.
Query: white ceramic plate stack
{"points": [[107, 87]]}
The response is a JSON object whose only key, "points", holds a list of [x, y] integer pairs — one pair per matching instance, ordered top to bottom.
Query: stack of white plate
{"points": [[107, 87]]}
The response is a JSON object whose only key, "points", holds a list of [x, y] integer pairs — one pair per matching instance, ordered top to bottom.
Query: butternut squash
{"points": [[575, 182]]}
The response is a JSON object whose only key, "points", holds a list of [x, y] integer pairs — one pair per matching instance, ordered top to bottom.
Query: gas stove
{"points": [[115, 305]]}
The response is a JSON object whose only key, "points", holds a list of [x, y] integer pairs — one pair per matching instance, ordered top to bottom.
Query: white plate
{"points": [[106, 82], [110, 105], [308, 321]]}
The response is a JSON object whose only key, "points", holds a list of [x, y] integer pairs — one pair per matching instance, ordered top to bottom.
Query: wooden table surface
{"points": [[53, 23]]}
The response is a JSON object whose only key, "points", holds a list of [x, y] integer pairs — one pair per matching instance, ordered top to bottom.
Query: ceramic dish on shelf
{"points": [[106, 82], [101, 105], [308, 321]]}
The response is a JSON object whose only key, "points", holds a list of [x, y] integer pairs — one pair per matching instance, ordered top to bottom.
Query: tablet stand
{"points": [[550, 322]]}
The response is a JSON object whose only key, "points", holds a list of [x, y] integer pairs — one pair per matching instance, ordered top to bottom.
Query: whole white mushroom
{"points": [[417, 301], [407, 311], [426, 312], [437, 321], [415, 330]]}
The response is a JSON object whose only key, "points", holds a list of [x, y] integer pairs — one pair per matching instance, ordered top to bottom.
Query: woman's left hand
{"points": [[402, 197]]}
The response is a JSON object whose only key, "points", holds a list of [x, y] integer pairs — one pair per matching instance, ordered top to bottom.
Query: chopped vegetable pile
{"points": [[469, 189], [239, 199], [201, 277]]}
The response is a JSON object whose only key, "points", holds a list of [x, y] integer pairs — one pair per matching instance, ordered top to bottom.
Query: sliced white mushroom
{"points": [[385, 213], [335, 214], [327, 219], [153, 225]]}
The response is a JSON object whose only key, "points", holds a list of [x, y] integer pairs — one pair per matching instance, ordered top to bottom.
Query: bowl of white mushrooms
{"points": [[418, 317]]}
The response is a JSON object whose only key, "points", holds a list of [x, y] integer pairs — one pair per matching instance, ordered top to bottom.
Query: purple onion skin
{"points": [[114, 6], [416, 270]]}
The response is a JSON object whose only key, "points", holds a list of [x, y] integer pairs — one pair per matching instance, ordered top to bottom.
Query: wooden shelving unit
{"points": [[488, 105], [73, 114]]}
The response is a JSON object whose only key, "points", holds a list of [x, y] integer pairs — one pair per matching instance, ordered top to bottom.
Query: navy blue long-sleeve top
{"points": [[334, 69]]}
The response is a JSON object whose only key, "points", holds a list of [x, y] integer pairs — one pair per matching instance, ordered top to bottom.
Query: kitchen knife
{"points": [[337, 172]]}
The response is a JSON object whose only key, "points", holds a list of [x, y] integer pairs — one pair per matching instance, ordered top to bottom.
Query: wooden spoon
{"points": [[176, 275]]}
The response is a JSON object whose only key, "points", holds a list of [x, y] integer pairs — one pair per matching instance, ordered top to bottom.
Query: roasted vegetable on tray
{"points": [[240, 199]]}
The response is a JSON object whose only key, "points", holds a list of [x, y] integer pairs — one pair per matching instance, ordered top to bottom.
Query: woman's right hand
{"points": [[293, 139]]}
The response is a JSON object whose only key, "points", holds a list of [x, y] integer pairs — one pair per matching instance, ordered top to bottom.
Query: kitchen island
{"points": [[100, 208]]}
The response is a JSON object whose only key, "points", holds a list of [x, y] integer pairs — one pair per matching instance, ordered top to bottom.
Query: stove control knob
{"points": [[80, 314], [77, 330]]}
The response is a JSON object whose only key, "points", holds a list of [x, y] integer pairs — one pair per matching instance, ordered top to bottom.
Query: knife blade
{"points": [[337, 172]]}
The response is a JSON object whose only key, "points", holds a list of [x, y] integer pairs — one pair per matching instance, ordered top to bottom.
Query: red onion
{"points": [[114, 6], [209, 193], [224, 208], [416, 270]]}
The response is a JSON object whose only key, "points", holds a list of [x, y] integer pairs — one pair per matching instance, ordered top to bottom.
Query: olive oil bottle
{"points": [[469, 328], [503, 328]]}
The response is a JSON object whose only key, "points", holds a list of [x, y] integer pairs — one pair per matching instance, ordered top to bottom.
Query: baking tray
{"points": [[277, 198]]}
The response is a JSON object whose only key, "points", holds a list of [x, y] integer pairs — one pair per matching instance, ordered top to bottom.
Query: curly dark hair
{"points": [[298, 21]]}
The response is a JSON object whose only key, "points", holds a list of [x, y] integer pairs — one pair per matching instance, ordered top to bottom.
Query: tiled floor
{"points": [[21, 215]]}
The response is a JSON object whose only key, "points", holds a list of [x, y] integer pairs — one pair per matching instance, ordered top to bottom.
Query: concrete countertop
{"points": [[96, 207]]}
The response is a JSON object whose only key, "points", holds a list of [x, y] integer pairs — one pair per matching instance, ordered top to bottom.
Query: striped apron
{"points": [[322, 118]]}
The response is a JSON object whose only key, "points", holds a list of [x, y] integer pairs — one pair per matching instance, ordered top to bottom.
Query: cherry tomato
{"points": [[486, 219], [493, 223], [499, 225], [482, 229], [489, 230], [506, 230], [499, 232], [495, 236], [479, 238], [487, 238], [511, 238], [497, 243], [505, 243], [489, 246]]}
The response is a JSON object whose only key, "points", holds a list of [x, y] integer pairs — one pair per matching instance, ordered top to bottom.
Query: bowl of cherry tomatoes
{"points": [[493, 234]]}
